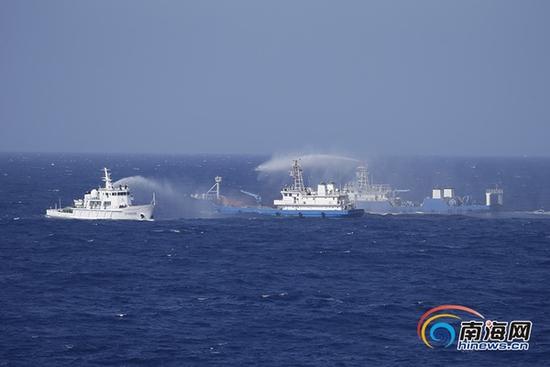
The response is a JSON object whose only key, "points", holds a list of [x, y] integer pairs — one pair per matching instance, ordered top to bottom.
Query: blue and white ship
{"points": [[297, 200]]}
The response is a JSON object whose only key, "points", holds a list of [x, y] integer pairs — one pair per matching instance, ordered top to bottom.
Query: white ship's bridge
{"points": [[107, 197]]}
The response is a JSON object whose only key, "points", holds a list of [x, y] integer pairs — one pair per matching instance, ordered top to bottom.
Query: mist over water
{"points": [[283, 162], [317, 168], [148, 184], [173, 200]]}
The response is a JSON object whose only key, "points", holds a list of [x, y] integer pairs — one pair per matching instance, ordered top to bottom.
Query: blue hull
{"points": [[428, 206], [232, 210]]}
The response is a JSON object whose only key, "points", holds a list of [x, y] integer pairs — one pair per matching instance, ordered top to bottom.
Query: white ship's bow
{"points": [[142, 212]]}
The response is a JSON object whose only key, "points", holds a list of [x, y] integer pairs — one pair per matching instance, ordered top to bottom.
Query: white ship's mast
{"points": [[296, 174], [362, 178], [107, 179]]}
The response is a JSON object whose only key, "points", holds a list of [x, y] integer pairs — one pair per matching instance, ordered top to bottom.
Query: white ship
{"points": [[375, 198], [327, 201], [109, 202]]}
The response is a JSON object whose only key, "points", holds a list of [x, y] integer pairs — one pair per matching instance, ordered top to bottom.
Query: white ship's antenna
{"points": [[296, 174], [107, 179], [154, 202]]}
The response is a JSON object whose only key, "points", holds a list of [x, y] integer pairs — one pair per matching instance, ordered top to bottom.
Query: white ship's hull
{"points": [[134, 212]]}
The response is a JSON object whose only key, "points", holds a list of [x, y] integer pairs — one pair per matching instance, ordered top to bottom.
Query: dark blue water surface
{"points": [[248, 291]]}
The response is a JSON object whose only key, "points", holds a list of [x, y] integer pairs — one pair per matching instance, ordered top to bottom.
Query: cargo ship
{"points": [[108, 202]]}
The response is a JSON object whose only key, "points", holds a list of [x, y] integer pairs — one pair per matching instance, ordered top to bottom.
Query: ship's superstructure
{"points": [[108, 202]]}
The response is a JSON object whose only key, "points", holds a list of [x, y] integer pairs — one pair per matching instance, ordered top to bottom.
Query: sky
{"points": [[464, 77]]}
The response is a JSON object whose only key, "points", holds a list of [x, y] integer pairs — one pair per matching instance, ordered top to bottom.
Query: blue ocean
{"points": [[196, 289]]}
